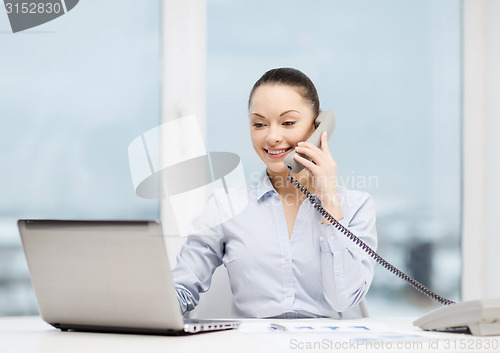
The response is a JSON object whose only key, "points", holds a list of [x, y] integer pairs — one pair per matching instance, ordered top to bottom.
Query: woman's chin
{"points": [[277, 168]]}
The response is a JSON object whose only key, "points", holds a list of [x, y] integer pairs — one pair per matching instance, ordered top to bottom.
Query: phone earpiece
{"points": [[324, 122]]}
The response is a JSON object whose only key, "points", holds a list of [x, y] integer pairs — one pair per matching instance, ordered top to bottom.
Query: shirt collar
{"points": [[264, 186]]}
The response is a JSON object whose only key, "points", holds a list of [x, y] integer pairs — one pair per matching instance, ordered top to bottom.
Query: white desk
{"points": [[31, 334]]}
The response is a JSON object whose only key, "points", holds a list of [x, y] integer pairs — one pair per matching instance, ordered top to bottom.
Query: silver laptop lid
{"points": [[101, 273]]}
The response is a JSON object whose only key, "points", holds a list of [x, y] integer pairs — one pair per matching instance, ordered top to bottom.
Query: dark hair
{"points": [[290, 77]]}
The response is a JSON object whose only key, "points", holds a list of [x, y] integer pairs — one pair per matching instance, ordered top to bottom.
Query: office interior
{"points": [[413, 85]]}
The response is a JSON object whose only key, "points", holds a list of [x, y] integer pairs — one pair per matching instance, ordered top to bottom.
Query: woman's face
{"points": [[279, 119]]}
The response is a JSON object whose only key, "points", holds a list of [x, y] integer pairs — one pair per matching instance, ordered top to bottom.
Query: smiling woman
{"points": [[391, 72], [282, 106], [275, 128], [282, 259]]}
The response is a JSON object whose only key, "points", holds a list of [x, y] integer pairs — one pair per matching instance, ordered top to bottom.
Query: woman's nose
{"points": [[274, 136]]}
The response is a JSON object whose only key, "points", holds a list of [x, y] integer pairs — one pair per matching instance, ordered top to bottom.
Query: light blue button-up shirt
{"points": [[315, 272]]}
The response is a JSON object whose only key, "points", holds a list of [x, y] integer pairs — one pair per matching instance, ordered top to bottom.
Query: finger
{"points": [[324, 141], [308, 145], [311, 151], [323, 153], [309, 165]]}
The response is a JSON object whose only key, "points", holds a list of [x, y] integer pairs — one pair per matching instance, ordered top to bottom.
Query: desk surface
{"points": [[31, 334]]}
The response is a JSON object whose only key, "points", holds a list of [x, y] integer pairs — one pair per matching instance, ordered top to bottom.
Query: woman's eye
{"points": [[289, 123], [257, 125]]}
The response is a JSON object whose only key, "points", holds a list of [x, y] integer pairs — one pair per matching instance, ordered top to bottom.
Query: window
{"points": [[391, 72], [75, 92]]}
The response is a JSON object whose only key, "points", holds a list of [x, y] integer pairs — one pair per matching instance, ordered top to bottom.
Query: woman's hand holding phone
{"points": [[323, 170]]}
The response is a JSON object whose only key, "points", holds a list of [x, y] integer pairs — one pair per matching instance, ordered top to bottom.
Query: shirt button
{"points": [[331, 237], [321, 238], [287, 258], [337, 273], [289, 294]]}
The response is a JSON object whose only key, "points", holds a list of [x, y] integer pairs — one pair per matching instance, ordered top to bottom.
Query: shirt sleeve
{"points": [[199, 257], [347, 270]]}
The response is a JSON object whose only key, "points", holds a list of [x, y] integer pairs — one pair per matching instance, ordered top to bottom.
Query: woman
{"points": [[282, 258]]}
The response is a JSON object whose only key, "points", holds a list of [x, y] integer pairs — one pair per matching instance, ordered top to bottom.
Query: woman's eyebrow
{"points": [[288, 111], [284, 113]]}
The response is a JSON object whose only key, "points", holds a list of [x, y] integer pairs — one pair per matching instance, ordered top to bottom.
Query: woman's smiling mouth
{"points": [[277, 153]]}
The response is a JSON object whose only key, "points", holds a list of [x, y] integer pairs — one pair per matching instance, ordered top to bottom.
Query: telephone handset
{"points": [[324, 122], [481, 317]]}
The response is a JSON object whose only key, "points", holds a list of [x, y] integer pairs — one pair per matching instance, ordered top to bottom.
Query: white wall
{"points": [[183, 79], [183, 93], [481, 167]]}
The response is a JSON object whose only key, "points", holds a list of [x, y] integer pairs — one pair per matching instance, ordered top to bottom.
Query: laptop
{"points": [[105, 276]]}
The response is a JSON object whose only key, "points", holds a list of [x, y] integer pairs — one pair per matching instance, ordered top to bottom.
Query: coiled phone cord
{"points": [[379, 259]]}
